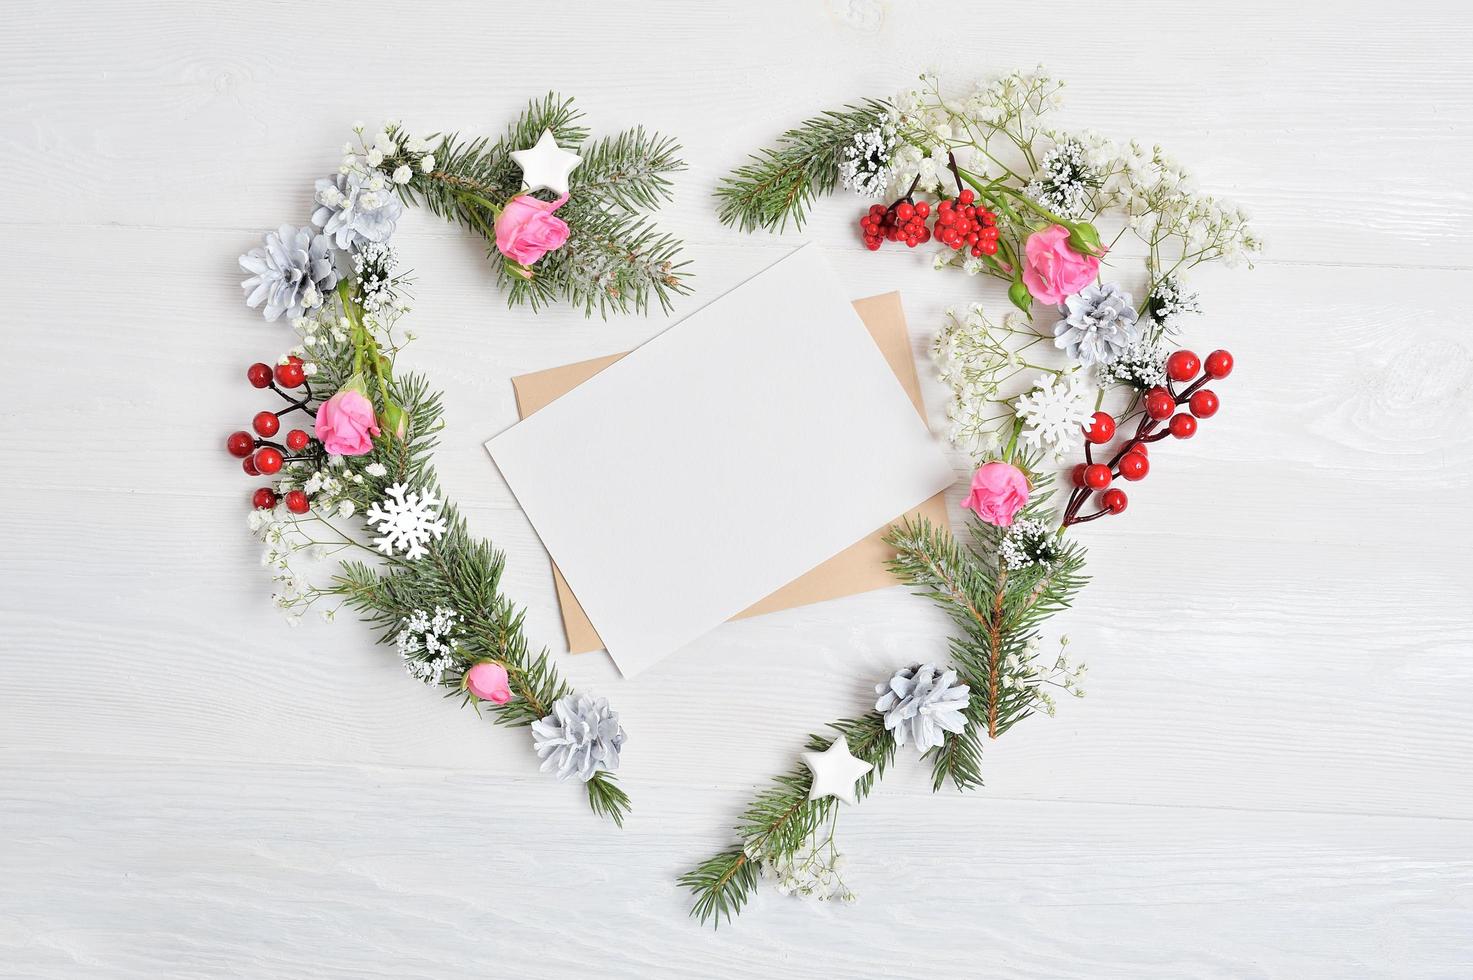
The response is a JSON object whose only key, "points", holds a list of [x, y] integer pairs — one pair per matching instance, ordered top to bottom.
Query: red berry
{"points": [[966, 197], [922, 208], [877, 209], [905, 211], [873, 244], [988, 246], [294, 359], [1219, 364], [1182, 366], [259, 374], [290, 374], [1203, 403], [1159, 404], [266, 423], [1183, 426], [1101, 428], [296, 440], [239, 444], [1139, 447], [267, 460], [249, 465], [1134, 466], [1078, 475], [1097, 477], [264, 499], [1115, 500], [297, 502]]}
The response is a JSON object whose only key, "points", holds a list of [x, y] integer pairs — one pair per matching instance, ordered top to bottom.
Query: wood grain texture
{"points": [[1268, 779]]}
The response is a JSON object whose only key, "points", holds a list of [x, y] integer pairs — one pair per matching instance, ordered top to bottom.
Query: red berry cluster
{"points": [[960, 223], [1160, 404], [258, 454]]}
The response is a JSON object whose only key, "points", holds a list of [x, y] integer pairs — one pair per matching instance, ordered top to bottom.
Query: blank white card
{"points": [[753, 440]]}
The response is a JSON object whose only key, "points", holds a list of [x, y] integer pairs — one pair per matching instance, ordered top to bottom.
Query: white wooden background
{"points": [[1271, 774]]}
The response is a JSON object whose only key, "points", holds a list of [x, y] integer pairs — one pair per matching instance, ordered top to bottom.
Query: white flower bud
{"points": [[402, 173]]}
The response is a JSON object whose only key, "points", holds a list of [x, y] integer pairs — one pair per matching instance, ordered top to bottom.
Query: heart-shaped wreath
{"points": [[565, 220]]}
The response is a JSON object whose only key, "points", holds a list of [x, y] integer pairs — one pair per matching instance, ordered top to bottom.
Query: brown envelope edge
{"points": [[858, 568]]}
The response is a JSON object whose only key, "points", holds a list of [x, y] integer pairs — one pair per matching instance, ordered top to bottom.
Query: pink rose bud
{"points": [[527, 229], [1051, 269], [345, 423], [999, 491], [487, 681]]}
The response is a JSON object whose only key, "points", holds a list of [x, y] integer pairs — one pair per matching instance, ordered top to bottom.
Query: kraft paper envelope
{"points": [[858, 568]]}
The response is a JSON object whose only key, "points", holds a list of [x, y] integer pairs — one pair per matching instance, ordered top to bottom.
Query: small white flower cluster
{"points": [[1014, 101], [398, 158], [865, 168], [1066, 181], [373, 266], [1169, 301], [321, 330], [975, 358], [1142, 366], [1056, 411], [407, 521], [1028, 542], [285, 547], [426, 645], [1021, 671], [814, 875]]}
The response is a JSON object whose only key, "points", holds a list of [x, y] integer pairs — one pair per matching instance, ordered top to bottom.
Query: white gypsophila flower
{"points": [[426, 163], [865, 168], [402, 174], [1066, 181], [373, 267], [1169, 301], [975, 357], [1142, 366], [1055, 412], [376, 469], [345, 508], [407, 521], [1029, 542], [426, 644], [812, 875]]}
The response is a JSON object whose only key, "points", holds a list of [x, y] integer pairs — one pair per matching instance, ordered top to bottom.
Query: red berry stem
{"points": [[296, 403]]}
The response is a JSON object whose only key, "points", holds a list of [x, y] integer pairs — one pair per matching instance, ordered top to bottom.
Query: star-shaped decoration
{"points": [[546, 166], [835, 771]]}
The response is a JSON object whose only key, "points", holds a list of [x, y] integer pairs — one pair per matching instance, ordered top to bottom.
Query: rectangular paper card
{"points": [[757, 438], [860, 567]]}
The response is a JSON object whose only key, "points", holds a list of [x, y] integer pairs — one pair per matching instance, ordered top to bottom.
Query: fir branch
{"points": [[782, 182], [614, 261], [606, 798], [781, 819]]}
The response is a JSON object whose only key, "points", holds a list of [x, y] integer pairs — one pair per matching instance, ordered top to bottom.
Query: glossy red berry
{"points": [[966, 197], [923, 209], [1219, 364], [1183, 366], [290, 374], [259, 375], [1203, 403], [1159, 404], [266, 423], [1183, 426], [1101, 428], [296, 440], [239, 444], [1139, 447], [267, 460], [249, 465], [1134, 466], [1078, 475], [1097, 476], [263, 499], [1115, 500], [297, 502]]}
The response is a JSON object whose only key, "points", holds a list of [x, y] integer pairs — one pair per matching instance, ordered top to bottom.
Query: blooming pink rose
{"points": [[527, 229], [1052, 269], [345, 423], [999, 491], [487, 681]]}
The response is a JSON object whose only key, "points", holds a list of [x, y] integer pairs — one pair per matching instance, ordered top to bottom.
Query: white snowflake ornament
{"points": [[546, 166], [1056, 412], [407, 520]]}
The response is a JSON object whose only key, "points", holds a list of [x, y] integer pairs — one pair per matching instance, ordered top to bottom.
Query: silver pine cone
{"points": [[291, 272], [920, 703], [580, 737]]}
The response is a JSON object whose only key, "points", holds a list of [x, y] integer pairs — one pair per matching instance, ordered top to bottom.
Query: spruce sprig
{"points": [[782, 182], [615, 261]]}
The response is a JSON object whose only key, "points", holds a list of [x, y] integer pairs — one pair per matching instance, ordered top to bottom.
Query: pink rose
{"points": [[528, 230], [1052, 269], [345, 423], [999, 491], [487, 681]]}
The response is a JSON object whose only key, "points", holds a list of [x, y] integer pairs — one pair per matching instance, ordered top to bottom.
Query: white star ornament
{"points": [[546, 166], [835, 771]]}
